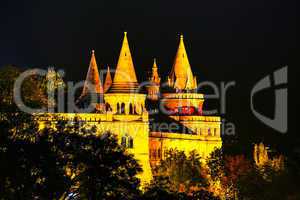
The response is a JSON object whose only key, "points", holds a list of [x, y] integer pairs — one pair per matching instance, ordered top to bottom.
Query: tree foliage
{"points": [[182, 171]]}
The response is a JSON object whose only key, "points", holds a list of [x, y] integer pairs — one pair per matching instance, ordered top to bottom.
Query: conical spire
{"points": [[181, 76], [125, 77], [155, 77], [92, 78], [108, 80]]}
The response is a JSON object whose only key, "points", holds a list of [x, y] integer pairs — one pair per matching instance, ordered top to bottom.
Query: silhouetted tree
{"points": [[99, 168]]}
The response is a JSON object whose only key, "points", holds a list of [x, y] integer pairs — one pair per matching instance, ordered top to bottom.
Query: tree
{"points": [[31, 90], [60, 160], [64, 160], [216, 164], [29, 167], [99, 167], [226, 170], [182, 172], [159, 189], [204, 195]]}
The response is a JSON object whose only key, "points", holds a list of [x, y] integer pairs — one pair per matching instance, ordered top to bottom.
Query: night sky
{"points": [[233, 40]]}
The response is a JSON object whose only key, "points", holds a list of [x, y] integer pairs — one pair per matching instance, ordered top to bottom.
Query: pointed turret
{"points": [[181, 76], [155, 77], [125, 78], [108, 80], [92, 82], [154, 86]]}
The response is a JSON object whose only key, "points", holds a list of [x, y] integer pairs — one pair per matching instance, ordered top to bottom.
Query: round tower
{"points": [[180, 96], [124, 97], [127, 106]]}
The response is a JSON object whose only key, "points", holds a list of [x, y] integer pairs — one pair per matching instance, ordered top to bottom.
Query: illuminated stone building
{"points": [[150, 120]]}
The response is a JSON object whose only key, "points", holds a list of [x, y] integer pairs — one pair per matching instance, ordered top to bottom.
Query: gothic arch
{"points": [[107, 107], [118, 108], [123, 108], [131, 109], [134, 109], [124, 141], [130, 142]]}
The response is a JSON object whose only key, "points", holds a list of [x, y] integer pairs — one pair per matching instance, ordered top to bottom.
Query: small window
{"points": [[118, 108], [123, 108], [130, 109], [123, 142], [130, 142], [159, 153]]}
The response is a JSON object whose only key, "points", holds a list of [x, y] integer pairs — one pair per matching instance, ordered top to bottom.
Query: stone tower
{"points": [[181, 97], [127, 106], [183, 112]]}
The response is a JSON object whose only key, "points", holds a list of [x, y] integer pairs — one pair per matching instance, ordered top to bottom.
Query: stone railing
{"points": [[183, 96], [90, 117], [196, 118]]}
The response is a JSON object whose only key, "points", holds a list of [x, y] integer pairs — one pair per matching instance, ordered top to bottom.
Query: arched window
{"points": [[107, 106], [118, 108], [123, 108], [130, 109], [134, 109], [209, 131], [124, 141], [130, 142], [159, 153], [154, 154]]}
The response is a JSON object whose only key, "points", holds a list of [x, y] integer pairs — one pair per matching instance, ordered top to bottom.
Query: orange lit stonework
{"points": [[125, 111]]}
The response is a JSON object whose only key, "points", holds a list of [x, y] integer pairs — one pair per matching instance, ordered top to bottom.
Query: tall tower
{"points": [[153, 87], [92, 89], [123, 96], [181, 96], [127, 106], [193, 131]]}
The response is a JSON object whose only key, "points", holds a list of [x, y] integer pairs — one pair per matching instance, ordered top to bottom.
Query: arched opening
{"points": [[107, 107], [118, 108], [123, 108], [130, 109], [134, 109], [124, 141], [130, 142], [159, 153], [154, 154]]}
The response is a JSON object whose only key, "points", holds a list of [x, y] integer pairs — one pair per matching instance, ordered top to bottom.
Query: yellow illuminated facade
{"points": [[131, 114]]}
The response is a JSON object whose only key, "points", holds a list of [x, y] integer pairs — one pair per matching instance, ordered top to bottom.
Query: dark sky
{"points": [[233, 40]]}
